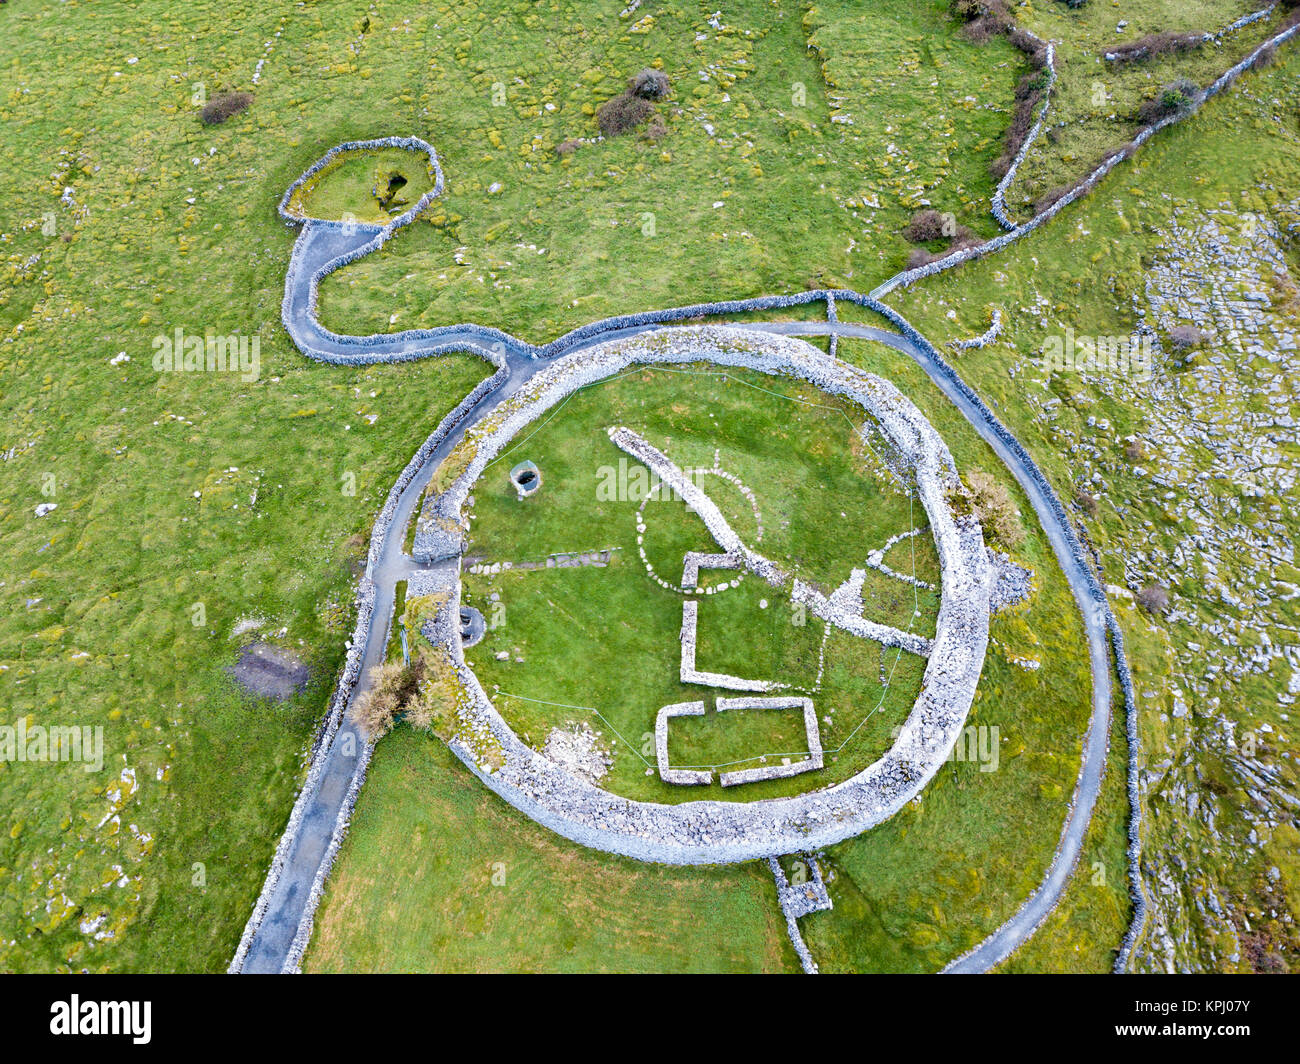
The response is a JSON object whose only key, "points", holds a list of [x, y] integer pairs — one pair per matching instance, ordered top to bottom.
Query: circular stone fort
{"points": [[716, 831]]}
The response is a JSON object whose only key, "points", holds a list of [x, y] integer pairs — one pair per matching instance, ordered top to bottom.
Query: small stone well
{"points": [[526, 478], [472, 626]]}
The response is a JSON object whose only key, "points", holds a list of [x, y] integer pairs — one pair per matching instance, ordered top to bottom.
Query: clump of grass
{"points": [[225, 105], [656, 130], [991, 502]]}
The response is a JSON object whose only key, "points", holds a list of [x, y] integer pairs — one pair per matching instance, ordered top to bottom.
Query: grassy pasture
{"points": [[799, 141], [124, 218], [1090, 272], [195, 511], [437, 874], [908, 896]]}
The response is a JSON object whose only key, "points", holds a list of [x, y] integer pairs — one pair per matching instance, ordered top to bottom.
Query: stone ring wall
{"points": [[712, 831]]}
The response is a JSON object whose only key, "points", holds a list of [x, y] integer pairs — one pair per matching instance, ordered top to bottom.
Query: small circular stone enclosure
{"points": [[369, 184], [526, 478], [472, 626], [716, 831]]}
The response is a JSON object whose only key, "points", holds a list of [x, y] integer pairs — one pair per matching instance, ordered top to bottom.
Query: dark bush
{"points": [[982, 19], [1028, 44], [1266, 57], [649, 84], [1031, 86], [1029, 94], [1173, 98], [225, 105], [623, 114], [656, 130], [925, 226], [919, 257], [1087, 503], [1154, 599]]}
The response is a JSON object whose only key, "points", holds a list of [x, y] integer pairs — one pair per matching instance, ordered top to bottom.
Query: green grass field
{"points": [[1094, 104], [800, 138], [1088, 272], [187, 503], [199, 511], [437, 874], [931, 882], [910, 895]]}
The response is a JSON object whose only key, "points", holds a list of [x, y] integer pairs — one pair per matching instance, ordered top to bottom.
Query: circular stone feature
{"points": [[370, 184], [526, 478], [472, 626], [710, 830]]}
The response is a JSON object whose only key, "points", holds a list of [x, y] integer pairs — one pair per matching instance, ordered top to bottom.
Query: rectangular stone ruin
{"points": [[811, 763], [688, 777]]}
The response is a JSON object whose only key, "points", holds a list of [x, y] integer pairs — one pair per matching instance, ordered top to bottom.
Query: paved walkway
{"points": [[290, 903]]}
